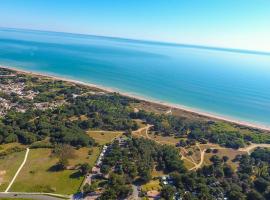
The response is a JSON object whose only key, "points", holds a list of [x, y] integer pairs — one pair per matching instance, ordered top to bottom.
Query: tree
{"points": [[208, 150], [215, 150], [64, 151], [190, 153], [225, 158], [216, 160], [62, 164], [85, 167], [105, 169], [228, 171], [145, 175], [261, 184], [89, 188], [167, 192], [109, 194], [236, 195], [254, 195]]}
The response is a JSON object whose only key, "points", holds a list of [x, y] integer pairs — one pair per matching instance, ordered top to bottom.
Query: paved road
{"points": [[18, 171], [135, 193], [28, 196]]}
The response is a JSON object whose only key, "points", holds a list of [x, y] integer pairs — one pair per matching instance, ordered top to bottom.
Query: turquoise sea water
{"points": [[227, 83]]}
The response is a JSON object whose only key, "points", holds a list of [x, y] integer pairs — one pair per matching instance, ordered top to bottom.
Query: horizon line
{"points": [[167, 43]]}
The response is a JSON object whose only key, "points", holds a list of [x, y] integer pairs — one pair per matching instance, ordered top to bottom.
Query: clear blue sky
{"points": [[227, 23]]}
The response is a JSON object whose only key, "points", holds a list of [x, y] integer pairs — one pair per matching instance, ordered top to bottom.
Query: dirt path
{"points": [[142, 129], [249, 148], [199, 165], [18, 171]]}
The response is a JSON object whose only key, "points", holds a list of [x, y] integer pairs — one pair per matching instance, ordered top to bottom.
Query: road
{"points": [[18, 171], [135, 193], [28, 196]]}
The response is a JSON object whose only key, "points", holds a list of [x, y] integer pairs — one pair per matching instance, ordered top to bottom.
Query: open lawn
{"points": [[104, 137], [83, 157], [8, 167], [37, 174], [152, 185]]}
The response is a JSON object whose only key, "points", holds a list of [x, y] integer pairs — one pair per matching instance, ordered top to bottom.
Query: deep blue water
{"points": [[227, 83]]}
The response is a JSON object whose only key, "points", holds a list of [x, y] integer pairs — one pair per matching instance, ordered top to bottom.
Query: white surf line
{"points": [[18, 171]]}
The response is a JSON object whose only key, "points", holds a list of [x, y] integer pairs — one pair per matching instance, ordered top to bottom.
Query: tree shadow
{"points": [[54, 168], [76, 175]]}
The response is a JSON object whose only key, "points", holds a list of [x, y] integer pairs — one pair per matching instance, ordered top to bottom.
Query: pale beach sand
{"points": [[135, 96]]}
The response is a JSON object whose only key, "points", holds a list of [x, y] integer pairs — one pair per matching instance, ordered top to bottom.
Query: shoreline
{"points": [[149, 100]]}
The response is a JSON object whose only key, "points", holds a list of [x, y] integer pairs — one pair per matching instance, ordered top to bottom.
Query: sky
{"points": [[242, 24]]}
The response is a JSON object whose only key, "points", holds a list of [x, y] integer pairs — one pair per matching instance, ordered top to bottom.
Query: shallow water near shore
{"points": [[232, 84]]}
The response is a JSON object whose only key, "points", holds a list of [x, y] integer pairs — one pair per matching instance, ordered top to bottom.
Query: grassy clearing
{"points": [[76, 118], [140, 123], [104, 137], [170, 140], [4, 147], [230, 153], [196, 154], [83, 157], [188, 164], [8, 167], [156, 173], [36, 175], [152, 185]]}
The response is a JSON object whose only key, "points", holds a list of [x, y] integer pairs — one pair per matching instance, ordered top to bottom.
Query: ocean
{"points": [[223, 82]]}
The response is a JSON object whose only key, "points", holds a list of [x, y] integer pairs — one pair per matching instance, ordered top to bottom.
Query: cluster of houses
{"points": [[19, 89], [5, 105], [49, 105]]}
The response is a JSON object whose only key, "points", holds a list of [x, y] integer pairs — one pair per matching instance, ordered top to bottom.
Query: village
{"points": [[14, 94]]}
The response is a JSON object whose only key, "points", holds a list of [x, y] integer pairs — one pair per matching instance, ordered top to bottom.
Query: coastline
{"points": [[183, 108]]}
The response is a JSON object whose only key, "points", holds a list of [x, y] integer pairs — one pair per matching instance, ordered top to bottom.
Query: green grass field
{"points": [[83, 157], [8, 168], [36, 175]]}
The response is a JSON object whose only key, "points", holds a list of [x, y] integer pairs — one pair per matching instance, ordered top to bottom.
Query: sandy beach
{"points": [[135, 96]]}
